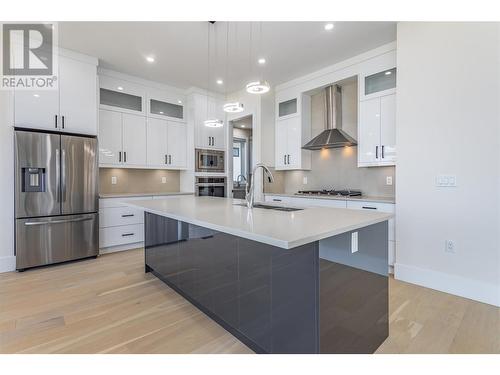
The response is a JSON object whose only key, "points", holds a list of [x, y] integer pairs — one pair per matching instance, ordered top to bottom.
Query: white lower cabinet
{"points": [[341, 203], [120, 227]]}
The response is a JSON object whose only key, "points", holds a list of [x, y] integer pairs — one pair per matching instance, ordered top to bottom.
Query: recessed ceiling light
{"points": [[329, 26], [150, 59], [261, 61], [388, 73], [220, 81], [120, 88], [36, 95], [179, 101], [161, 112], [242, 126]]}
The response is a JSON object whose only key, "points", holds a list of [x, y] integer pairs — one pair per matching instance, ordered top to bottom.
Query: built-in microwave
{"points": [[209, 161]]}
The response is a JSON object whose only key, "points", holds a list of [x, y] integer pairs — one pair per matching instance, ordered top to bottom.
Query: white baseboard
{"points": [[114, 249], [7, 264], [453, 284]]}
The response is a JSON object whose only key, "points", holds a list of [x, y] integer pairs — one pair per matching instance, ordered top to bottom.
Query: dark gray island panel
{"points": [[274, 300]]}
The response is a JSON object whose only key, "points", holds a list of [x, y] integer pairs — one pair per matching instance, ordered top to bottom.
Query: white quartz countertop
{"points": [[130, 195], [363, 198], [278, 228]]}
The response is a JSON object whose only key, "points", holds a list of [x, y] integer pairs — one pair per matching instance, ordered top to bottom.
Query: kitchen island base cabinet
{"points": [[278, 300]]}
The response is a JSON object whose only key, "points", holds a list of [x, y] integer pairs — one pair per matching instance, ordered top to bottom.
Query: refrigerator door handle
{"points": [[58, 176], [63, 176], [32, 223]]}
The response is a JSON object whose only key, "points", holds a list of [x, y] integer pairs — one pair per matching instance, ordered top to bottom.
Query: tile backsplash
{"points": [[137, 180]]}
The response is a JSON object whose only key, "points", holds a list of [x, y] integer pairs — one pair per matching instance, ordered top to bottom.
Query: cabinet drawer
{"points": [[277, 199], [119, 202], [312, 202], [375, 206], [115, 216], [125, 234]]}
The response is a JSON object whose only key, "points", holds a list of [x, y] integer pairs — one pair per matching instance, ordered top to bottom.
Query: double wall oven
{"points": [[207, 162]]}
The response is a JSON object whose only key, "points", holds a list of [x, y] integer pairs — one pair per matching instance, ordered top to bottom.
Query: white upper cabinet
{"points": [[376, 84], [121, 95], [77, 96], [71, 108], [37, 109], [377, 118], [388, 128], [292, 131], [377, 131], [110, 137], [207, 137], [122, 139], [134, 139], [157, 142], [177, 145], [167, 146]]}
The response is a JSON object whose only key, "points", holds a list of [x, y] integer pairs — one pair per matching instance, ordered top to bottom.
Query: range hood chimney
{"points": [[333, 136]]}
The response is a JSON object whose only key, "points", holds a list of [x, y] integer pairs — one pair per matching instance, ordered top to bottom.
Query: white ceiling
{"points": [[180, 49]]}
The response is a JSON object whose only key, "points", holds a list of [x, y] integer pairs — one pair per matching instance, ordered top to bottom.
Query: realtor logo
{"points": [[29, 59]]}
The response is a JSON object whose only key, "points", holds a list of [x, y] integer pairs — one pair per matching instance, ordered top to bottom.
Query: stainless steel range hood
{"points": [[333, 136]]}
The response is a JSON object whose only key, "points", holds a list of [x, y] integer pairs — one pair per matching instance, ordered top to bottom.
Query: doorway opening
{"points": [[242, 155]]}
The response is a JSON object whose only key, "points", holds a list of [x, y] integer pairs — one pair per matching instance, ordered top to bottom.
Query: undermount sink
{"points": [[270, 207]]}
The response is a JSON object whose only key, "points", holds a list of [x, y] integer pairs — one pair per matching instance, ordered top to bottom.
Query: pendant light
{"points": [[260, 86], [231, 107], [210, 122]]}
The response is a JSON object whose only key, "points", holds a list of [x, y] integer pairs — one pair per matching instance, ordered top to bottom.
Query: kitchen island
{"points": [[311, 280]]}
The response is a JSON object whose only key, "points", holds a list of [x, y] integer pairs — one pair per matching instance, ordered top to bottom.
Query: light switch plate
{"points": [[113, 180], [163, 180], [304, 180], [443, 180]]}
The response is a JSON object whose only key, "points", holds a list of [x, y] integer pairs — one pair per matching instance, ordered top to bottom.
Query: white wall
{"points": [[448, 123], [7, 258]]}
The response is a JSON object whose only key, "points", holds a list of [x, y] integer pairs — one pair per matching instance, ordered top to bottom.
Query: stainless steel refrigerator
{"points": [[56, 198]]}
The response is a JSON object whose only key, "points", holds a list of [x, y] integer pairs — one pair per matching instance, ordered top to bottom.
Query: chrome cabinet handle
{"points": [[376, 152], [288, 160], [63, 176], [369, 208], [128, 215], [33, 223], [127, 234]]}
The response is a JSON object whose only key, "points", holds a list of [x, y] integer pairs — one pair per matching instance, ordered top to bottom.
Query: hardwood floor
{"points": [[109, 305]]}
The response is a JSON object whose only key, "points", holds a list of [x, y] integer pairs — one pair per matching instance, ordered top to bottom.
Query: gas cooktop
{"points": [[344, 192]]}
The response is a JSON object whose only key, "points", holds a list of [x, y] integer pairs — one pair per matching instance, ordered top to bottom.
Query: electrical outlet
{"points": [[113, 180], [163, 180], [304, 180], [388, 180], [354, 242], [449, 246]]}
